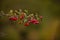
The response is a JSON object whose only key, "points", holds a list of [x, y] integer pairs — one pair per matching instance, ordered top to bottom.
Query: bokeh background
{"points": [[49, 29]]}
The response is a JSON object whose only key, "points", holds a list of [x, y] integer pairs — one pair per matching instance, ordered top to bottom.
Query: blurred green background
{"points": [[49, 9]]}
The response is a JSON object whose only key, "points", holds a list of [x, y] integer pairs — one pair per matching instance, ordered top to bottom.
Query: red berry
{"points": [[21, 17], [41, 17], [13, 18], [34, 21], [26, 24]]}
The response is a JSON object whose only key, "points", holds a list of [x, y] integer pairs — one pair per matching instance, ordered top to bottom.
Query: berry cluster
{"points": [[22, 17]]}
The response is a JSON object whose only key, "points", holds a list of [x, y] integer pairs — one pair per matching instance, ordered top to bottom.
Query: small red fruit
{"points": [[21, 17], [41, 17], [13, 18], [34, 21], [37, 22], [26, 24]]}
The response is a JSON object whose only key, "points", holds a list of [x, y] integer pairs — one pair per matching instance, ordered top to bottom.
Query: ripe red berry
{"points": [[21, 17], [13, 18], [34, 21], [37, 22], [26, 24]]}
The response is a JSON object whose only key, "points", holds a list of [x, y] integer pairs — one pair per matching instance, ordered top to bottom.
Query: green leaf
{"points": [[26, 11], [25, 20]]}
